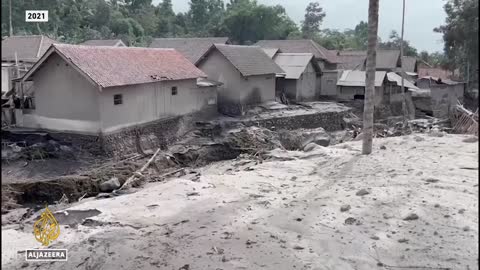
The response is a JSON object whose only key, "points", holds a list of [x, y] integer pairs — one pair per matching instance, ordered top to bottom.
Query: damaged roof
{"points": [[104, 42], [300, 46], [28, 48], [192, 48], [249, 60], [294, 64], [117, 66], [394, 77], [357, 78]]}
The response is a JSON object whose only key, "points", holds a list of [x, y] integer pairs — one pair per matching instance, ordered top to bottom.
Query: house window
{"points": [[174, 90], [117, 99]]}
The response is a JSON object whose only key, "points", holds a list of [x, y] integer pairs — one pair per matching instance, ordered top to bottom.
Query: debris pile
{"points": [[464, 120]]}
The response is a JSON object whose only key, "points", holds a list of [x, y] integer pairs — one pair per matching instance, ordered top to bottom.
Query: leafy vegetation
{"points": [[136, 22]]}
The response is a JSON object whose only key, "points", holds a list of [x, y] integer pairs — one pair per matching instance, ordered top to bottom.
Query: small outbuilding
{"points": [[246, 72], [301, 72]]}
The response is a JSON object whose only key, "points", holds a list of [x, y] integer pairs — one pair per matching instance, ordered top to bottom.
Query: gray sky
{"points": [[421, 16]]}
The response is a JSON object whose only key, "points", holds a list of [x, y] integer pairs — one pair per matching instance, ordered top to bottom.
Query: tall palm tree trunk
{"points": [[370, 77]]}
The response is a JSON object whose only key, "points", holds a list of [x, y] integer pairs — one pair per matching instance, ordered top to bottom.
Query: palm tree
{"points": [[370, 77]]}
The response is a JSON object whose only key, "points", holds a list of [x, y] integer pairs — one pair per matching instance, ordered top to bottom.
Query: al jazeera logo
{"points": [[46, 229]]}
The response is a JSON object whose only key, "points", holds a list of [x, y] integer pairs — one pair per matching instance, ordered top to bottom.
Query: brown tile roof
{"points": [[103, 42], [300, 46], [28, 48], [192, 48], [386, 59], [249, 60], [350, 60], [116, 66], [435, 72]]}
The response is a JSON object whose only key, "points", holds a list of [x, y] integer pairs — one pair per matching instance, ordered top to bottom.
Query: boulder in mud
{"points": [[110, 185]]}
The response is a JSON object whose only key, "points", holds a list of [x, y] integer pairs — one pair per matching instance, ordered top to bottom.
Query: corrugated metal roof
{"points": [[104, 42], [300, 46], [28, 48], [192, 48], [270, 51], [249, 60], [350, 61], [294, 64], [116, 66], [435, 72], [394, 77], [357, 78]]}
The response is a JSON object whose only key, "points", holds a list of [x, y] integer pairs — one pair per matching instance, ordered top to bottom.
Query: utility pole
{"points": [[10, 17], [402, 71]]}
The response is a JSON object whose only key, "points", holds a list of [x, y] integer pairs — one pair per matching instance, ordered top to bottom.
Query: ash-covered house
{"points": [[104, 42], [194, 49], [24, 51], [326, 60], [386, 60], [246, 72], [301, 72], [102, 90], [388, 94], [436, 96]]}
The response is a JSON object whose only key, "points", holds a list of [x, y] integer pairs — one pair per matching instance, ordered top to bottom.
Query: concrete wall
{"points": [[5, 79], [329, 83], [306, 84], [236, 89], [349, 92], [64, 99], [152, 101]]}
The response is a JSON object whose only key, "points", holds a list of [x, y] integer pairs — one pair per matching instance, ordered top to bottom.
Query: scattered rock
{"points": [[436, 133], [418, 139], [470, 139], [383, 147], [432, 180], [110, 185], [362, 192], [194, 193], [436, 205], [345, 208], [461, 211], [411, 216], [298, 219], [350, 221], [466, 228], [375, 237], [403, 240], [297, 247], [185, 267]]}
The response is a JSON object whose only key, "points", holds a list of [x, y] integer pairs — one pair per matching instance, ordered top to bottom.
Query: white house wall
{"points": [[306, 84], [64, 99], [144, 103]]}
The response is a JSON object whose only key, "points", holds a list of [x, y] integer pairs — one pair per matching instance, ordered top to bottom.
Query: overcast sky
{"points": [[421, 16]]}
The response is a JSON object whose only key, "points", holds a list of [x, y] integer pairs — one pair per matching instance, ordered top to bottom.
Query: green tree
{"points": [[314, 15], [460, 35], [395, 42]]}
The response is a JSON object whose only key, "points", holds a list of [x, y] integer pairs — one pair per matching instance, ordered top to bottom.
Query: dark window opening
{"points": [[174, 90], [359, 97], [117, 99]]}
